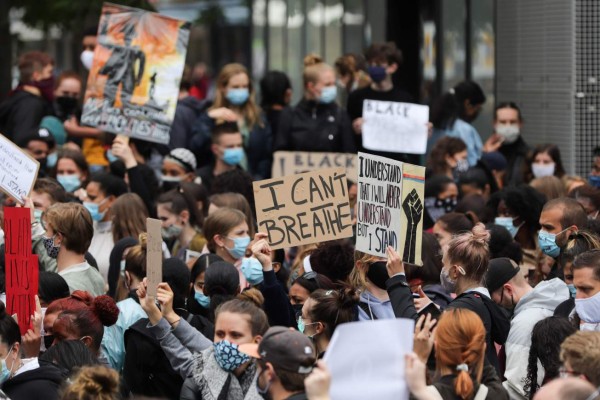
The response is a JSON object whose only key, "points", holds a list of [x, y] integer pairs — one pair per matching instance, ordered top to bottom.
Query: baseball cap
{"points": [[56, 128], [39, 134], [494, 160], [500, 271], [286, 349]]}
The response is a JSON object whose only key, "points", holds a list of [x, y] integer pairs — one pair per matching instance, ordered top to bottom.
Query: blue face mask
{"points": [[376, 73], [328, 94], [238, 97], [233, 156], [110, 157], [51, 160], [594, 180], [69, 182], [94, 210], [37, 214], [507, 222], [548, 243], [239, 247], [252, 270], [572, 290], [202, 299], [228, 356], [5, 372]]}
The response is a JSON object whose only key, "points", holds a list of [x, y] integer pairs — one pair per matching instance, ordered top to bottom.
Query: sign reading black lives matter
{"points": [[133, 84], [390, 207], [305, 208]]}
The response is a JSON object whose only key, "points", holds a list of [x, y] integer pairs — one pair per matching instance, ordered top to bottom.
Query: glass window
{"points": [[332, 16], [277, 18], [315, 18], [453, 23], [295, 24], [354, 35], [259, 51]]}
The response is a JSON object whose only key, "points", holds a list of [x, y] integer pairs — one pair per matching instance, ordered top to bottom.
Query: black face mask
{"points": [[67, 105], [169, 185], [378, 274], [297, 309], [48, 340]]}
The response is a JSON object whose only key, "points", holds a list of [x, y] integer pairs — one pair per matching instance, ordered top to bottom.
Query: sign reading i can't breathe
{"points": [[390, 207], [304, 208]]}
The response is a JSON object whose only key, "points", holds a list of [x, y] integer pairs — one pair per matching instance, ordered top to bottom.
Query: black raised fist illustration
{"points": [[413, 208]]}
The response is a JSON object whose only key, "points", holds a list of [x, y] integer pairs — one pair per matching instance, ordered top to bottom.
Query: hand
{"points": [[223, 113], [71, 125], [357, 125], [493, 143], [120, 148], [28, 203], [262, 251], [394, 262], [164, 295], [422, 301], [148, 304], [424, 337], [32, 340], [414, 373], [318, 382]]}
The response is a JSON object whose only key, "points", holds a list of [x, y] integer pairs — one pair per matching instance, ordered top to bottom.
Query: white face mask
{"points": [[87, 58], [509, 132], [541, 170], [589, 309]]}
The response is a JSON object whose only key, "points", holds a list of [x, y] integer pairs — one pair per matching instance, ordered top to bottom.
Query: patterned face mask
{"points": [[228, 356]]}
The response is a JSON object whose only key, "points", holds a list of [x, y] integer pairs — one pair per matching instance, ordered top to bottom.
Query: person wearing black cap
{"points": [[39, 143], [509, 288], [285, 358]]}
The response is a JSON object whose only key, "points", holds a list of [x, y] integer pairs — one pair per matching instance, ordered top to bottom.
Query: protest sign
{"points": [[133, 84], [395, 127], [296, 162], [18, 170], [389, 207], [305, 208], [154, 255], [21, 266], [382, 366]]}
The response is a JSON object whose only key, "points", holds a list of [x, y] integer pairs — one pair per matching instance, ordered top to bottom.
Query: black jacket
{"points": [[187, 111], [20, 114], [311, 126], [516, 158], [494, 319], [40, 383], [445, 385]]}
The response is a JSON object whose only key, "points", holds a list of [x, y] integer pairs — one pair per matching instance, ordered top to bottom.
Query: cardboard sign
{"points": [[133, 84], [395, 127], [296, 162], [18, 170], [390, 207], [305, 208], [154, 255], [21, 266], [379, 360]]}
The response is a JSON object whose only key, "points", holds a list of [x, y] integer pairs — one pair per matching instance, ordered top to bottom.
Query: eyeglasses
{"points": [[565, 373]]}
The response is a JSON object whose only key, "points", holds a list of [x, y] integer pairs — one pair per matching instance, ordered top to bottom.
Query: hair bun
{"points": [[312, 59], [480, 234], [83, 296], [253, 296], [348, 297], [106, 309], [97, 381]]}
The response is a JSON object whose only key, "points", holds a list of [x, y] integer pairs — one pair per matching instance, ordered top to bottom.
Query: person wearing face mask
{"points": [[88, 45], [383, 61], [351, 71], [30, 101], [235, 102], [452, 114], [316, 123], [507, 139], [39, 143], [228, 150], [448, 157], [545, 160], [178, 166], [72, 171], [101, 192], [441, 197], [559, 219], [181, 222], [69, 231], [227, 235], [465, 265], [369, 276], [586, 278], [304, 285], [510, 290], [197, 301], [324, 311], [285, 358], [209, 367], [23, 378]]}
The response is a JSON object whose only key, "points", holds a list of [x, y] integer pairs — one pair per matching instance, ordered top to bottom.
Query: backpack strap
{"points": [[367, 310], [481, 393]]}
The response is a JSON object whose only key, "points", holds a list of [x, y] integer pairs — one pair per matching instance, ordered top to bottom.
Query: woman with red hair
{"points": [[460, 362]]}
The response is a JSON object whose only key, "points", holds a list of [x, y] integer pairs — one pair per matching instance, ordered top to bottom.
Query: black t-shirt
{"points": [[355, 109]]}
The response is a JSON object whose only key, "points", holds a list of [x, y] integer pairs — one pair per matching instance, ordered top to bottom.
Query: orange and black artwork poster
{"points": [[133, 84]]}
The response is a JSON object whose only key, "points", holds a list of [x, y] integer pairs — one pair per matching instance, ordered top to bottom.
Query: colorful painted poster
{"points": [[133, 84]]}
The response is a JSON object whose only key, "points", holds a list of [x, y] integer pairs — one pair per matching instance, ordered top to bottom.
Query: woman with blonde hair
{"points": [[235, 102], [316, 123], [129, 216], [369, 276], [460, 347], [95, 382]]}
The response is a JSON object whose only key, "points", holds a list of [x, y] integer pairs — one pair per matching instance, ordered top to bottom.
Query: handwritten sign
{"points": [[395, 127], [296, 162], [18, 170], [390, 207], [305, 208], [153, 255], [21, 266], [382, 366]]}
